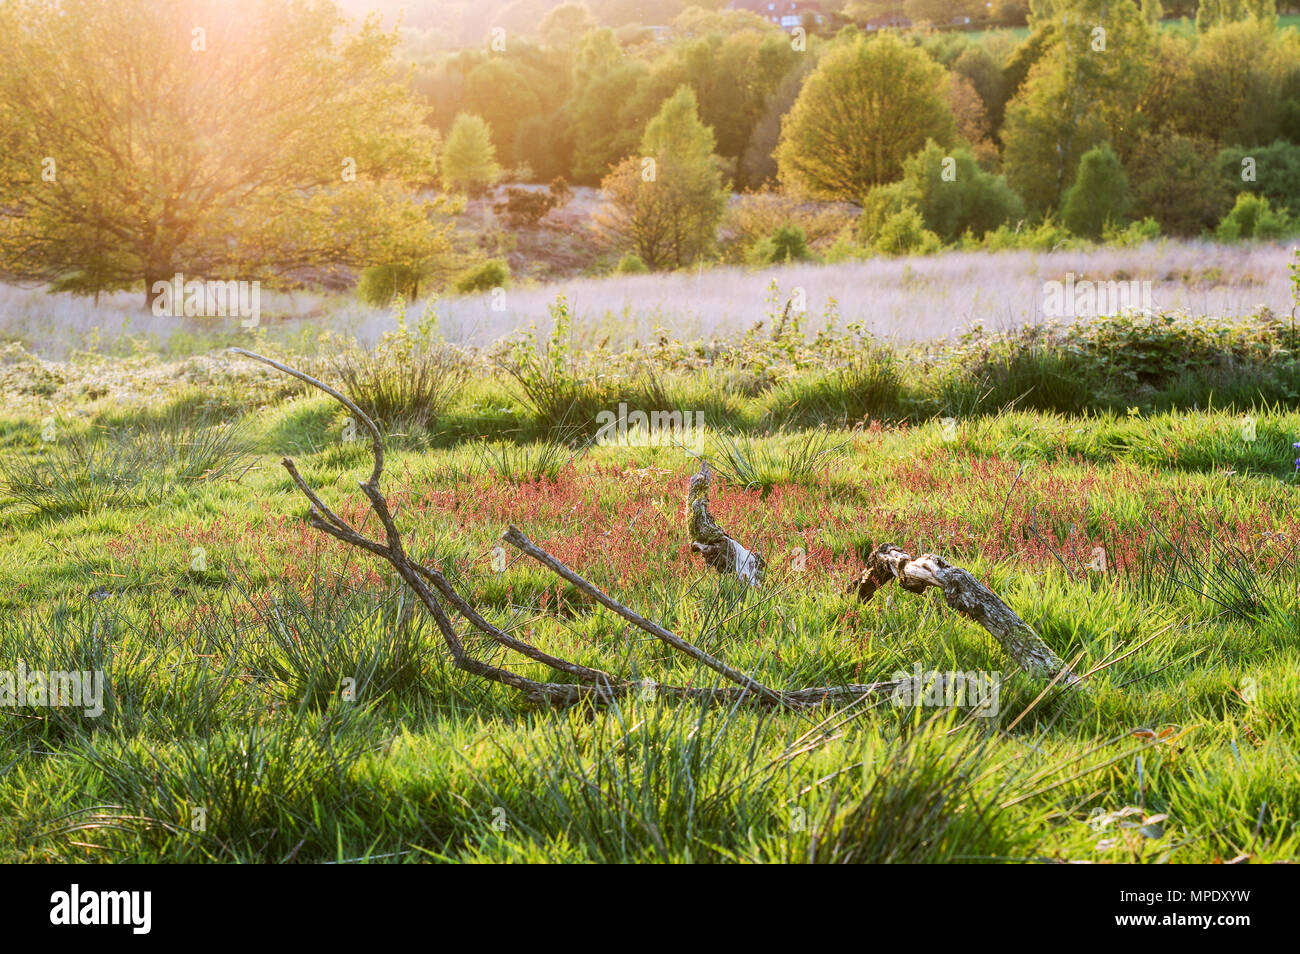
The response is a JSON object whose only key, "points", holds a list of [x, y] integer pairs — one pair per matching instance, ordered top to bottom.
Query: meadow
{"points": [[900, 300], [1127, 485]]}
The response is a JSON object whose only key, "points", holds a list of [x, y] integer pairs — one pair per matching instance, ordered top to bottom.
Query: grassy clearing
{"points": [[272, 696]]}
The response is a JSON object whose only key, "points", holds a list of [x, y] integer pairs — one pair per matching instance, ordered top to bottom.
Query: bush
{"points": [[1276, 169], [1099, 197], [966, 199], [524, 208], [755, 216], [1253, 218], [905, 233], [1132, 235], [786, 244], [631, 264], [494, 273], [380, 284], [403, 381]]}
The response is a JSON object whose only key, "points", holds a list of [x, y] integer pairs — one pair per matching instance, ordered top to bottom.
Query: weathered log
{"points": [[969, 597]]}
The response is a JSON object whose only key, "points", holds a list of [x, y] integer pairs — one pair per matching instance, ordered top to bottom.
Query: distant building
{"points": [[786, 14], [888, 21]]}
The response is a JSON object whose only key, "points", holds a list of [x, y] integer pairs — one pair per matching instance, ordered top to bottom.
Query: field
{"points": [[902, 300], [1127, 486]]}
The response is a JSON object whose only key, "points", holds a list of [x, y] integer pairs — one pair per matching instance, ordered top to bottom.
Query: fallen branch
{"points": [[720, 550], [972, 599]]}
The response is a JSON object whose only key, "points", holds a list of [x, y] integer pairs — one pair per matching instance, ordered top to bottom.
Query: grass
{"points": [[282, 699]]}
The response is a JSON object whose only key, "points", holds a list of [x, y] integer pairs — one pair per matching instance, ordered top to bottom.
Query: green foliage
{"points": [[1212, 13], [1084, 90], [869, 105], [301, 152], [469, 159], [1270, 171], [1174, 182], [950, 191], [1098, 199], [666, 204], [1253, 218], [904, 233], [786, 244], [631, 264], [494, 273], [380, 284], [404, 381]]}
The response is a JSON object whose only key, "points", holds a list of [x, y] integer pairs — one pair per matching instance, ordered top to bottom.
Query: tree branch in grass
{"points": [[969, 597]]}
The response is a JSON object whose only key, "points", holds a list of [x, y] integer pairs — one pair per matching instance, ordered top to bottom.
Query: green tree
{"points": [[1212, 13], [564, 26], [1244, 80], [603, 83], [1084, 91], [504, 94], [869, 105], [138, 144], [469, 160], [1271, 171], [1175, 181], [949, 190], [1099, 196], [665, 204], [1253, 218]]}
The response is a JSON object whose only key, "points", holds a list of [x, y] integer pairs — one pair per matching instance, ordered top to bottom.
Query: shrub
{"points": [[1276, 169], [950, 191], [1099, 197], [524, 208], [755, 216], [1253, 218], [905, 233], [786, 244], [631, 264], [494, 273], [380, 284]]}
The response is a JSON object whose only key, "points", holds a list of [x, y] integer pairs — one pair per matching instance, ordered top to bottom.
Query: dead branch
{"points": [[720, 550], [967, 596]]}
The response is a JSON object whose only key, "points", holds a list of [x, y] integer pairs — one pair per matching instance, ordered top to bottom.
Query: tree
{"points": [[940, 12], [1212, 13], [564, 25], [977, 66], [1243, 79], [603, 83], [1082, 92], [504, 94], [869, 105], [138, 144], [469, 160], [1270, 171], [1175, 182], [1099, 196], [665, 204]]}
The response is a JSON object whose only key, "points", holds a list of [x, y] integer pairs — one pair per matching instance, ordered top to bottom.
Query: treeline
{"points": [[1102, 115]]}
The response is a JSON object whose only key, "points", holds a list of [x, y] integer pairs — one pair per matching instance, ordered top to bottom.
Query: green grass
{"points": [[280, 698]]}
